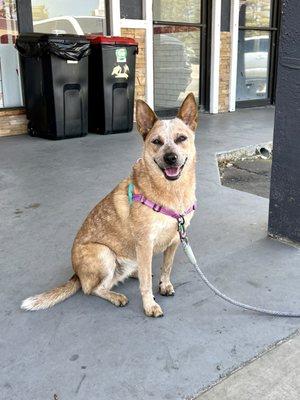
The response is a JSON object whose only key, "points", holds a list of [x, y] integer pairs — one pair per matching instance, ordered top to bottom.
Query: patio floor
{"points": [[85, 348]]}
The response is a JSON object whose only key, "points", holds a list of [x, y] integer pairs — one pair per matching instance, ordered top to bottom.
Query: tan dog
{"points": [[118, 239]]}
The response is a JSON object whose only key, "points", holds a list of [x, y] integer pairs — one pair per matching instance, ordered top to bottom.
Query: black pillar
{"points": [[284, 216]]}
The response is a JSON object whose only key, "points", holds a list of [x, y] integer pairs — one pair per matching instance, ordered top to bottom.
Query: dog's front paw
{"points": [[166, 289], [153, 310]]}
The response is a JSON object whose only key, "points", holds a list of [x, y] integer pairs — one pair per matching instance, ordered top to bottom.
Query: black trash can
{"points": [[55, 80], [111, 83]]}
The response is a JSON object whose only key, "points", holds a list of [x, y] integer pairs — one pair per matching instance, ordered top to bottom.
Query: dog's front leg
{"points": [[144, 254], [165, 285]]}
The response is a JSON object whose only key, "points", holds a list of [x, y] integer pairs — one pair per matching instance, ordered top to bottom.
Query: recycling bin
{"points": [[55, 81], [111, 83]]}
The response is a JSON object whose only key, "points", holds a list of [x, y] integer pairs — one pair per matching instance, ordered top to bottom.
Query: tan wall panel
{"points": [[225, 59], [140, 72], [13, 122]]}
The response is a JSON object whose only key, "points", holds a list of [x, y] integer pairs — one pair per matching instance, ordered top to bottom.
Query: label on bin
{"points": [[121, 55], [72, 62], [121, 71]]}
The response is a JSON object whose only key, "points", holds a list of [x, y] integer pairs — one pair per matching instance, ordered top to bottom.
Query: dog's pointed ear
{"points": [[188, 112], [145, 118]]}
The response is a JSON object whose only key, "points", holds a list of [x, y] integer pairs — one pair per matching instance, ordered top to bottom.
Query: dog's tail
{"points": [[52, 297]]}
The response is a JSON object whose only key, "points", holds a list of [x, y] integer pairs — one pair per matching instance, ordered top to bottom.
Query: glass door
{"points": [[258, 26], [179, 47], [10, 83]]}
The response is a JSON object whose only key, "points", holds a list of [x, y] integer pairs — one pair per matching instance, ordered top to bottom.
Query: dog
{"points": [[118, 238]]}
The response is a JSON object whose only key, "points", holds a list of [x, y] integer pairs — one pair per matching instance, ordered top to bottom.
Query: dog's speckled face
{"points": [[168, 144]]}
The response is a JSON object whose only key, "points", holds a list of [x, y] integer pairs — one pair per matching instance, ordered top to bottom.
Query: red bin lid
{"points": [[125, 41]]}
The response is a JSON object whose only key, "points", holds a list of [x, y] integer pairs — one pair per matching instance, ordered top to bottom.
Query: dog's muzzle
{"points": [[171, 171]]}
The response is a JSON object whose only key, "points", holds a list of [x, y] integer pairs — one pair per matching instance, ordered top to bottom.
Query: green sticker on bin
{"points": [[121, 55]]}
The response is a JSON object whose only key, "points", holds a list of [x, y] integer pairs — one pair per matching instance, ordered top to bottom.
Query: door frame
{"points": [[24, 16]]}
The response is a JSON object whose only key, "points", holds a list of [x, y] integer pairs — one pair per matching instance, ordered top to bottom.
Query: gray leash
{"points": [[190, 255]]}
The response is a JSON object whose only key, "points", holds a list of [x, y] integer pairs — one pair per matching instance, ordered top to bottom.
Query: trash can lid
{"points": [[51, 37], [67, 37], [125, 41], [68, 47]]}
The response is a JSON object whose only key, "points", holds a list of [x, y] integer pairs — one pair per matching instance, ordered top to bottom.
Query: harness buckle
{"points": [[143, 199], [156, 207]]}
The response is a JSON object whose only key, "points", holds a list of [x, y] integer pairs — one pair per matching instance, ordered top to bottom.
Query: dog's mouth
{"points": [[172, 173]]}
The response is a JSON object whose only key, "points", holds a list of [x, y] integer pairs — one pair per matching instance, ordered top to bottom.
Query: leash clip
{"points": [[181, 227]]}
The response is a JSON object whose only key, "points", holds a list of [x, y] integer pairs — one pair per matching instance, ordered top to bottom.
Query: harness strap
{"points": [[132, 196], [157, 207]]}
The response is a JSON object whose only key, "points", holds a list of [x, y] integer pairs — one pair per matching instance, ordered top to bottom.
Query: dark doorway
{"points": [[180, 35], [257, 52]]}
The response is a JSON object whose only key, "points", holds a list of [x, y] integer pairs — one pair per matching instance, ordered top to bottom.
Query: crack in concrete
{"points": [[80, 383]]}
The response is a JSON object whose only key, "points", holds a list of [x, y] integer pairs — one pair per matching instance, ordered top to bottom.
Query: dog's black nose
{"points": [[170, 158]]}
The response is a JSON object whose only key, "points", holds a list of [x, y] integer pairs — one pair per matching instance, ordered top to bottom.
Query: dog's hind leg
{"points": [[95, 265], [165, 285], [103, 290]]}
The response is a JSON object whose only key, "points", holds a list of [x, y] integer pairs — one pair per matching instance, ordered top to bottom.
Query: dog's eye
{"points": [[180, 139], [158, 142]]}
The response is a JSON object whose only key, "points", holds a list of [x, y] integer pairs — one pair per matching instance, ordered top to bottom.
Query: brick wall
{"points": [[225, 58], [140, 73], [13, 122]]}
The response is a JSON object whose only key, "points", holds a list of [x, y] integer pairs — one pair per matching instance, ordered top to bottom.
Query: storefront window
{"points": [[132, 9], [177, 11], [255, 13], [68, 16], [256, 35], [177, 36], [176, 64], [253, 65], [10, 85]]}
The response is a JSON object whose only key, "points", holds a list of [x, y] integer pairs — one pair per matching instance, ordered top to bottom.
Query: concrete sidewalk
{"points": [[85, 348], [273, 376]]}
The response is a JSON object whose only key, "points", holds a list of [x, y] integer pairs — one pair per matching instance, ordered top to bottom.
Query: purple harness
{"points": [[163, 210]]}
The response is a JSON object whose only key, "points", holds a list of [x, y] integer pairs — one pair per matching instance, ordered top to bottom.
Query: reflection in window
{"points": [[132, 9], [177, 11], [255, 13], [68, 16], [8, 22], [176, 64], [253, 65], [10, 87]]}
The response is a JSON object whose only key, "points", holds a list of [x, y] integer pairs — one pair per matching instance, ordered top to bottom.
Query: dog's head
{"points": [[168, 144]]}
